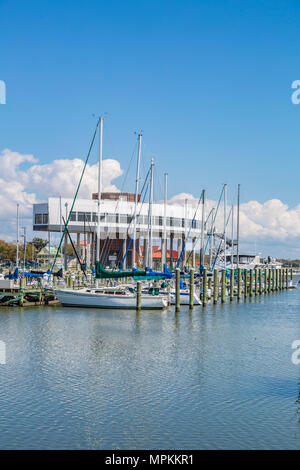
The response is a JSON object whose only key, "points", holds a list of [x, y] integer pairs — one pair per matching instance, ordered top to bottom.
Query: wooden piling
{"points": [[287, 278], [277, 279], [266, 281], [256, 282], [260, 282], [251, 283], [239, 284], [245, 284], [231, 285], [216, 286], [223, 286], [177, 289], [204, 290], [138, 295], [191, 297]]}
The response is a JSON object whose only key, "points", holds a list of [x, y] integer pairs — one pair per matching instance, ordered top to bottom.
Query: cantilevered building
{"points": [[170, 223]]}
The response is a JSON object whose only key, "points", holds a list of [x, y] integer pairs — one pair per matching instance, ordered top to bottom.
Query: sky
{"points": [[208, 82]]}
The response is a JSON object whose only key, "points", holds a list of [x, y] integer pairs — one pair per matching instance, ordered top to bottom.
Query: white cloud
{"points": [[23, 180], [271, 227]]}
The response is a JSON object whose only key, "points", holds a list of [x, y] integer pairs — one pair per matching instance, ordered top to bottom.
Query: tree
{"points": [[39, 243]]}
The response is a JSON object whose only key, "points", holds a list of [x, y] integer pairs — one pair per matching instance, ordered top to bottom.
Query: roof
{"points": [[46, 251]]}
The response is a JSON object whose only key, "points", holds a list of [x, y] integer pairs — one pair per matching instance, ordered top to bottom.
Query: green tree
{"points": [[39, 243]]}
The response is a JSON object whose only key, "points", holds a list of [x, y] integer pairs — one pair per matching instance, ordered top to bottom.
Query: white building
{"points": [[117, 210]]}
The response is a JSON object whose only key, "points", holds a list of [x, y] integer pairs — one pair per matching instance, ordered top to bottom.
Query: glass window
{"points": [[73, 216], [95, 217], [45, 218], [111, 218], [38, 219], [123, 219], [160, 220]]}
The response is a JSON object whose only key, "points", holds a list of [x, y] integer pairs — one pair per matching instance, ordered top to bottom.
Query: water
{"points": [[211, 379]]}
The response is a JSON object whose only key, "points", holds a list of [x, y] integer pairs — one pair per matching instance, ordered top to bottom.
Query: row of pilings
{"points": [[218, 286]]}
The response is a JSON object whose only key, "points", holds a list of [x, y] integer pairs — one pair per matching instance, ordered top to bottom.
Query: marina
{"points": [[149, 230], [213, 378]]}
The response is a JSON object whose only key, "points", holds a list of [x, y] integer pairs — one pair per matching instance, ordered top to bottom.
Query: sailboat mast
{"points": [[99, 188], [136, 198], [150, 215], [225, 222], [238, 228], [202, 230], [232, 234], [18, 237], [211, 238], [164, 254]]}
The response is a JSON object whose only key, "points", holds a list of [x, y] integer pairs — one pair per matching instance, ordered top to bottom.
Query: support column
{"points": [[124, 245], [179, 246], [78, 249], [93, 249], [171, 249], [88, 250], [65, 252], [145, 252], [163, 252], [184, 253], [193, 253]]}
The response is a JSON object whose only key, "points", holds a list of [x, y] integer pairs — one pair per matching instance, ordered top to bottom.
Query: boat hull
{"points": [[73, 298], [185, 299]]}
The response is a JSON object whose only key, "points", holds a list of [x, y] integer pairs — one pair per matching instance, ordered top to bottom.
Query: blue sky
{"points": [[209, 82]]}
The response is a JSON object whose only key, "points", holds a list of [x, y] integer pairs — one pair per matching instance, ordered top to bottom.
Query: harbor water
{"points": [[219, 377]]}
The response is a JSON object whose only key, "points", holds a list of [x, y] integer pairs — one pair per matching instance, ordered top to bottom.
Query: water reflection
{"points": [[219, 377]]}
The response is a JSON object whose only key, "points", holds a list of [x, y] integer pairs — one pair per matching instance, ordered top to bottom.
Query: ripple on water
{"points": [[215, 378]]}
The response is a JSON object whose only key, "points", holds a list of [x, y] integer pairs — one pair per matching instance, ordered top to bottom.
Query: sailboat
{"points": [[122, 297]]}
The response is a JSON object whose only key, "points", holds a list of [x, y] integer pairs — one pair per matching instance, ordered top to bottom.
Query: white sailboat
{"points": [[108, 297], [121, 297], [184, 297]]}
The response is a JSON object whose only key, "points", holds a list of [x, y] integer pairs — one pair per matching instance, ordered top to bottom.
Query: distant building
{"points": [[116, 226], [46, 255]]}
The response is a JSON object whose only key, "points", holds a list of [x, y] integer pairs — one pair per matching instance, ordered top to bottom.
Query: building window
{"points": [[73, 216], [95, 217], [111, 218], [38, 219], [45, 219], [123, 219], [160, 220]]}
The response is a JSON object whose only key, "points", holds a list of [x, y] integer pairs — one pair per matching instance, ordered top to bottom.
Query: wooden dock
{"points": [[26, 297]]}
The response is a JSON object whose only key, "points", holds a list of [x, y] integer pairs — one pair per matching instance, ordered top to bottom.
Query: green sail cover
{"points": [[102, 273]]}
